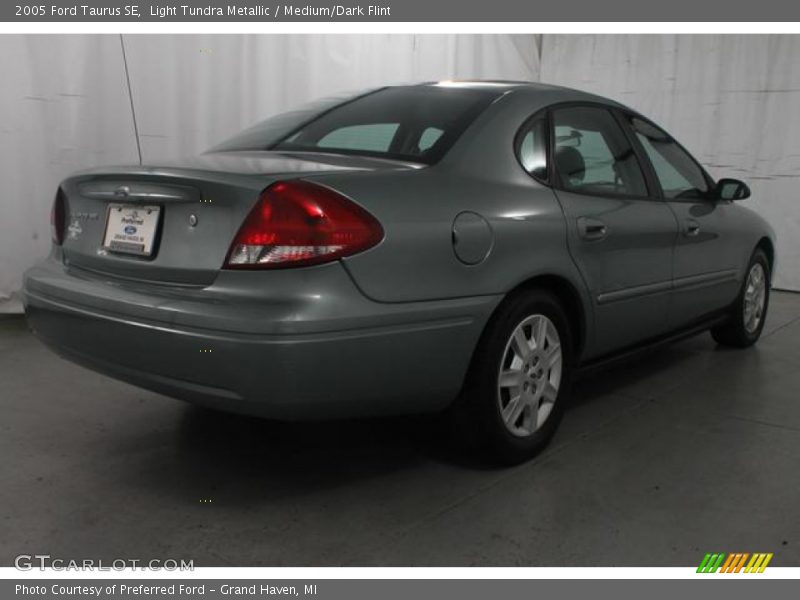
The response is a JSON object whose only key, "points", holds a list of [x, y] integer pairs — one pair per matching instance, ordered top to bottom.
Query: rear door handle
{"points": [[691, 228], [591, 229]]}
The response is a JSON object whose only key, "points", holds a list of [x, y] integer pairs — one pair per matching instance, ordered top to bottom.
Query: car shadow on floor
{"points": [[650, 371], [330, 449], [338, 450]]}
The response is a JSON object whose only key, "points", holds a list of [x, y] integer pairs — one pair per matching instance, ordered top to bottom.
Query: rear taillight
{"points": [[58, 218], [296, 223]]}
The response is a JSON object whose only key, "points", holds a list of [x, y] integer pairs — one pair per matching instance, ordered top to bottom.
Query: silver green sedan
{"points": [[459, 246]]}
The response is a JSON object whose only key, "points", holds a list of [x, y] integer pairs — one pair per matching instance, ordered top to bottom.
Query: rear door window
{"points": [[593, 155]]}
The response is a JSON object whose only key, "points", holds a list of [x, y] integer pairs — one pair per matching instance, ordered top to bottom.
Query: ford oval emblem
{"points": [[130, 229]]}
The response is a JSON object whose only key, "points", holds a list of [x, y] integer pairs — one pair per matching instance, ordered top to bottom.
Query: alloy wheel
{"points": [[755, 294], [530, 375]]}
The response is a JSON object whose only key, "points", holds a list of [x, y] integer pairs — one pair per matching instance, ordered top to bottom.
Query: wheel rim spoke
{"points": [[541, 333], [521, 343], [553, 356], [510, 378], [550, 393], [513, 410], [531, 422]]}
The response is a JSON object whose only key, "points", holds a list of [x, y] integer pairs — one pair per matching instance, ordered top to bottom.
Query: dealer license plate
{"points": [[131, 229]]}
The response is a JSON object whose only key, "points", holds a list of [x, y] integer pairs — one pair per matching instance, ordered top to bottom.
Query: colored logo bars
{"points": [[734, 563]]}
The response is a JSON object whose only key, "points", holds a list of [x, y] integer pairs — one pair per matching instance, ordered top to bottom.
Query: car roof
{"points": [[488, 83], [556, 93]]}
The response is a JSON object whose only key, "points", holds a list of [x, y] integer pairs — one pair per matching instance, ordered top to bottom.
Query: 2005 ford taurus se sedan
{"points": [[461, 245]]}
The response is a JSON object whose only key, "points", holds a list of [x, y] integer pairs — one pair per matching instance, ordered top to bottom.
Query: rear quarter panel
{"points": [[416, 260]]}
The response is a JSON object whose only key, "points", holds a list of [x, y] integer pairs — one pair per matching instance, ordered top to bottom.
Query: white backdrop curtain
{"points": [[65, 104]]}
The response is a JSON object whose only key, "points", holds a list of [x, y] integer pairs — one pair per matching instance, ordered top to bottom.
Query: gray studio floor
{"points": [[688, 450]]}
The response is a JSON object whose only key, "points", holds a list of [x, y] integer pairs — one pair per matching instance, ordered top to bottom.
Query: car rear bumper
{"points": [[294, 344]]}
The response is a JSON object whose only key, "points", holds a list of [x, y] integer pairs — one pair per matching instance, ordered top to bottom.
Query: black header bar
{"points": [[400, 10]]}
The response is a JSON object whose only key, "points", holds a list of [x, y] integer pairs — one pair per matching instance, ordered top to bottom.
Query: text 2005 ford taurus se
{"points": [[410, 249]]}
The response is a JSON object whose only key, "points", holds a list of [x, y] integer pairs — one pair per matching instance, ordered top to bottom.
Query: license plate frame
{"points": [[131, 229]]}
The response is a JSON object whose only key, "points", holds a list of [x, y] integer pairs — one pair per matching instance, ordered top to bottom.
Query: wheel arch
{"points": [[765, 244], [567, 293]]}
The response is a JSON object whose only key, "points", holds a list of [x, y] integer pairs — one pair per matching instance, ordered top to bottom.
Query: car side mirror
{"points": [[732, 189]]}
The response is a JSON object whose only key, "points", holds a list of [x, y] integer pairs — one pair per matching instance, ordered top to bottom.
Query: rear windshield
{"points": [[417, 124]]}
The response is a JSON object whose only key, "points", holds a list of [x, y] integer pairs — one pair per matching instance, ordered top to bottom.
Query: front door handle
{"points": [[691, 228], [591, 229]]}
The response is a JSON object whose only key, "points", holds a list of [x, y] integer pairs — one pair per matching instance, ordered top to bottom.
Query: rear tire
{"points": [[749, 312], [519, 379]]}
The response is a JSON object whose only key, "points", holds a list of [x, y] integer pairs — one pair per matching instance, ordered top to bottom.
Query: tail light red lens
{"points": [[58, 218], [298, 223]]}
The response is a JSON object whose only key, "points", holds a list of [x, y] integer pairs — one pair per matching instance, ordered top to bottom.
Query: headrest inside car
{"points": [[570, 165]]}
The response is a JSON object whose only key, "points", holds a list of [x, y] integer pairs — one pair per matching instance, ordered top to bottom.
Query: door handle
{"points": [[691, 228], [591, 229]]}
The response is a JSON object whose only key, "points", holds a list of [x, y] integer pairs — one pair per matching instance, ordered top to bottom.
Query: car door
{"points": [[620, 235], [705, 268]]}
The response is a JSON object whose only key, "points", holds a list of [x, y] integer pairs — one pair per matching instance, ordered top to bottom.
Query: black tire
{"points": [[734, 331], [477, 415]]}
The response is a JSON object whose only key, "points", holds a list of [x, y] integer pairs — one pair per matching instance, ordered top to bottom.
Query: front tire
{"points": [[750, 309], [519, 379]]}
